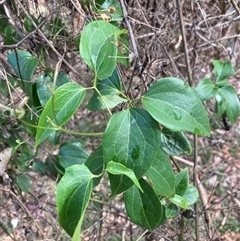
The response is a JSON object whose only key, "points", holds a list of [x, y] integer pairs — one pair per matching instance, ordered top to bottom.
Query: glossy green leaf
{"points": [[10, 35], [98, 47], [23, 63], [222, 70], [110, 85], [45, 87], [108, 88], [206, 89], [107, 101], [230, 101], [176, 106], [59, 109], [54, 138], [132, 138], [175, 143], [71, 153], [95, 164], [39, 166], [51, 168], [116, 168], [161, 175], [181, 182], [24, 183], [73, 194], [191, 195], [179, 201], [143, 208], [171, 211]]}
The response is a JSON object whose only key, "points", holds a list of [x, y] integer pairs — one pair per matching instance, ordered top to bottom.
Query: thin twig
{"points": [[46, 40], [137, 62], [190, 82], [25, 209]]}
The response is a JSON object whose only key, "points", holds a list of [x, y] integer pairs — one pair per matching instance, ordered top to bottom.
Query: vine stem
{"points": [[137, 63], [190, 82], [57, 128]]}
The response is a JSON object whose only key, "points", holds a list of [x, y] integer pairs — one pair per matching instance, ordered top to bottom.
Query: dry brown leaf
{"points": [[4, 159]]}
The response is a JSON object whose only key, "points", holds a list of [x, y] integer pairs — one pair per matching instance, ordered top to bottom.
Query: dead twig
{"points": [[25, 209]]}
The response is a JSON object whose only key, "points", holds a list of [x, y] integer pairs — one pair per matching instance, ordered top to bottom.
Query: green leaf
{"points": [[10, 35], [98, 47], [23, 63], [222, 70], [222, 83], [110, 85], [45, 87], [108, 88], [206, 89], [107, 101], [230, 101], [176, 106], [220, 106], [59, 109], [54, 138], [132, 138], [175, 143], [71, 153], [95, 164], [39, 166], [51, 166], [119, 169], [161, 175], [181, 182], [24, 183], [73, 194], [191, 195], [179, 201], [143, 208], [171, 211]]}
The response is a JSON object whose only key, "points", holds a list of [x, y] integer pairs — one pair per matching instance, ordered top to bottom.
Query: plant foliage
{"points": [[137, 140]]}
